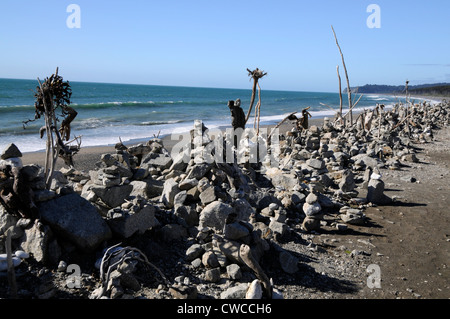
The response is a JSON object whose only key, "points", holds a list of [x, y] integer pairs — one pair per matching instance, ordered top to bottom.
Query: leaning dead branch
{"points": [[349, 91]]}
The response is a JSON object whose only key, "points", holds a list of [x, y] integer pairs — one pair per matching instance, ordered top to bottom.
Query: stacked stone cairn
{"points": [[220, 209]]}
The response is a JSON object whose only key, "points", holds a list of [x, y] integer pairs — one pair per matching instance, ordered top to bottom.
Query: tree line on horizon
{"points": [[438, 89]]}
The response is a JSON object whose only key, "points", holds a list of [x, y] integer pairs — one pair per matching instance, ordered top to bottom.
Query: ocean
{"points": [[133, 113]]}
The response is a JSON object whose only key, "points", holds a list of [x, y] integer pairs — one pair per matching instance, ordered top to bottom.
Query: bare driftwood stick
{"points": [[256, 75], [340, 90], [349, 91], [289, 117], [246, 255]]}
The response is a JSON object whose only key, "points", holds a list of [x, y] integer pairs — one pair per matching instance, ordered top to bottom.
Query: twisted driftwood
{"points": [[246, 255]]}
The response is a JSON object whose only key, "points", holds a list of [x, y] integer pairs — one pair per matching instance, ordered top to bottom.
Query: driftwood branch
{"points": [[255, 75], [349, 91], [246, 255]]}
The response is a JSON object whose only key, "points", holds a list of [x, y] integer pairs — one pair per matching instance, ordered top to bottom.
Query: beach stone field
{"points": [[347, 211]]}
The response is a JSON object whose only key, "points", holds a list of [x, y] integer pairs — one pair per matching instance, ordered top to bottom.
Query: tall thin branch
{"points": [[349, 91]]}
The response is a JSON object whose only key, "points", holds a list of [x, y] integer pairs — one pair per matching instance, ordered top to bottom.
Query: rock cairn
{"points": [[229, 215]]}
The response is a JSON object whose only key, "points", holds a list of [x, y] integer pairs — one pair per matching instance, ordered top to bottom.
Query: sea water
{"points": [[109, 112]]}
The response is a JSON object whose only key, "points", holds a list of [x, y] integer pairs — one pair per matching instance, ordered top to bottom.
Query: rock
{"points": [[10, 151], [411, 157], [157, 160], [317, 164], [199, 170], [285, 181], [347, 183], [188, 184], [147, 189], [169, 192], [375, 192], [208, 195], [112, 196], [311, 198], [311, 209], [214, 215], [352, 216], [75, 219], [130, 223], [311, 223], [280, 228], [235, 231], [36, 241], [194, 252], [209, 260], [289, 263], [234, 271], [212, 275], [254, 290], [181, 291], [236, 292]]}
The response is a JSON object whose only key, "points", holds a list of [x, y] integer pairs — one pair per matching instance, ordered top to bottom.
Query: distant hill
{"points": [[437, 89]]}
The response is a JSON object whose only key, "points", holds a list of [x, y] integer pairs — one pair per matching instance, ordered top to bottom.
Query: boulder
{"points": [[10, 151], [169, 191], [112, 196], [214, 215], [74, 218], [127, 224]]}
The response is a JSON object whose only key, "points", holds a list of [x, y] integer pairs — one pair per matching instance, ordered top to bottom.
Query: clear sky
{"points": [[211, 43]]}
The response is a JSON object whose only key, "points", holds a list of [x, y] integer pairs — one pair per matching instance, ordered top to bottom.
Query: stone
{"points": [[10, 151], [157, 160], [317, 164], [199, 170], [285, 181], [188, 183], [347, 183], [170, 190], [375, 192], [208, 195], [112, 196], [297, 197], [311, 198], [311, 209], [214, 215], [352, 216], [77, 220], [131, 223], [311, 223], [280, 228], [235, 231], [35, 241], [194, 252], [209, 260], [288, 262], [234, 271], [212, 275], [182, 291], [254, 291], [236, 292]]}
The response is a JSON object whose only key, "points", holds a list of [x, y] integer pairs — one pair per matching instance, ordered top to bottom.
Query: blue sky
{"points": [[211, 43]]}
